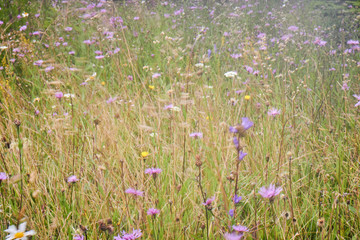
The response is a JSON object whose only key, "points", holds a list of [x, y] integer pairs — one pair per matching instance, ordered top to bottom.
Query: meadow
{"points": [[186, 119]]}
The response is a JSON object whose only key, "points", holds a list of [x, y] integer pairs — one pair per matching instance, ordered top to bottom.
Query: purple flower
{"points": [[23, 28], [293, 28], [68, 29], [353, 42], [99, 57], [38, 62], [49, 68], [156, 75], [130, 77], [59, 95], [358, 98], [111, 100], [170, 106], [273, 112], [246, 123], [196, 135], [236, 142], [242, 155], [153, 171], [3, 176], [72, 179], [134, 192], [270, 192], [237, 199], [209, 201], [153, 212], [231, 212], [240, 229], [129, 236], [233, 236], [78, 237]]}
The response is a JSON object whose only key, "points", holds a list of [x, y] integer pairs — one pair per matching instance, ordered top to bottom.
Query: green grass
{"points": [[311, 149]]}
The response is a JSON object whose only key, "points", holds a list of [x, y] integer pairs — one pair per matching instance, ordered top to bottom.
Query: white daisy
{"points": [[20, 233]]}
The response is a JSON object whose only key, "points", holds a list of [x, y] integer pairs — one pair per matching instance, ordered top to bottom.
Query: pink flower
{"points": [[156, 75], [59, 95], [358, 98], [273, 112], [196, 135], [153, 171], [3, 176], [72, 179], [134, 192], [270, 192], [209, 201], [153, 212], [240, 229], [129, 236], [233, 236], [78, 237]]}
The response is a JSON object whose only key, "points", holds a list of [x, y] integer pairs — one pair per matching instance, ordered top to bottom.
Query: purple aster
{"points": [[293, 28], [38, 62], [59, 95], [358, 98], [273, 112], [196, 135], [242, 155], [3, 176], [72, 179], [134, 192], [270, 192], [237, 199], [209, 201], [153, 212], [240, 229], [129, 236], [233, 236], [78, 237]]}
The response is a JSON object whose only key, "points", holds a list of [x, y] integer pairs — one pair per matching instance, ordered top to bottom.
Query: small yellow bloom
{"points": [[103, 83], [152, 87], [247, 97], [37, 99], [144, 154], [19, 235]]}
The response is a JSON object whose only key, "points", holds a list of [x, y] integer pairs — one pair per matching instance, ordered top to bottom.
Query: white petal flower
{"points": [[230, 74], [20, 233]]}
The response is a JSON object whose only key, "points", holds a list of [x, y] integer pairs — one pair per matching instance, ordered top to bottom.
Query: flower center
{"points": [[19, 235]]}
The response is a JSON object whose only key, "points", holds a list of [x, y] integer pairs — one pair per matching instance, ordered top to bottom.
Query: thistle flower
{"points": [[59, 95], [273, 112], [196, 135], [153, 171], [72, 179], [134, 192], [270, 192], [209, 201], [153, 212], [240, 229], [20, 233], [129, 236], [233, 236]]}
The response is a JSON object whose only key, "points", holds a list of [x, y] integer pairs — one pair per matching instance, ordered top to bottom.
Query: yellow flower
{"points": [[103, 83], [152, 87], [247, 97], [144, 154]]}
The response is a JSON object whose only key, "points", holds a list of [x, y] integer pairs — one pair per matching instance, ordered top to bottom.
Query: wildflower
{"points": [[25, 14], [23, 28], [293, 28], [68, 29], [38, 62], [49, 68], [230, 74], [156, 75], [130, 77], [345, 86], [152, 87], [59, 95], [247, 97], [358, 98], [111, 100], [170, 106], [273, 112], [245, 125], [196, 135], [236, 142], [144, 154], [242, 155], [153, 171], [3, 176], [72, 179], [134, 192], [270, 192], [237, 199], [209, 201], [153, 212], [231, 212], [321, 222], [240, 229], [20, 233], [129, 236], [233, 236], [78, 237]]}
